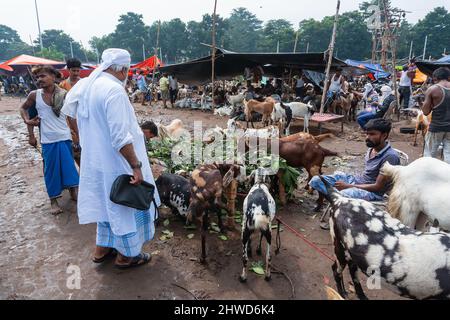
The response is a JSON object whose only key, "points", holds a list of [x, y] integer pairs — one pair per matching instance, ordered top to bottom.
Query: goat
{"points": [[235, 100], [345, 103], [265, 108], [301, 110], [224, 111], [282, 114], [423, 123], [174, 131], [304, 150], [207, 184], [422, 187], [175, 193], [258, 213], [367, 238]]}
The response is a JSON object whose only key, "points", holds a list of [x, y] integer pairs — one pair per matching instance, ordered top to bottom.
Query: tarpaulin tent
{"points": [[22, 63], [231, 64], [148, 65], [428, 67], [375, 69], [84, 72], [420, 77]]}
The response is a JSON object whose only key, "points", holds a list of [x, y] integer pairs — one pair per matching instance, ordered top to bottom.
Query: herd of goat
{"points": [[365, 237]]}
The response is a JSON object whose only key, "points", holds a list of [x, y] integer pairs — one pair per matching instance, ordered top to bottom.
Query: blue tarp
{"points": [[445, 59], [375, 69]]}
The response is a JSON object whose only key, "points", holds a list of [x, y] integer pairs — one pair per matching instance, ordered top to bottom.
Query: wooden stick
{"points": [[330, 57], [213, 60], [183, 288]]}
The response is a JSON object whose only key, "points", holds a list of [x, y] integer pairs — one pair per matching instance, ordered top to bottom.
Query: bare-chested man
{"points": [[437, 101]]}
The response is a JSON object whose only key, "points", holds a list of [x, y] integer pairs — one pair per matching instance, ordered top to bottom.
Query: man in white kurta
{"points": [[113, 145]]}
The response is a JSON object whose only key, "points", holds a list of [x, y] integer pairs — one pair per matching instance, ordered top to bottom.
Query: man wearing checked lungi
{"points": [[113, 145], [60, 172]]}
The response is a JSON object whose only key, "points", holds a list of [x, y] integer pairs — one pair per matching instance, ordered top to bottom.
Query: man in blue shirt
{"points": [[371, 185]]}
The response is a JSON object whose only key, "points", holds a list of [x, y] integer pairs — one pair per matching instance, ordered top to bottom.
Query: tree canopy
{"points": [[242, 31]]}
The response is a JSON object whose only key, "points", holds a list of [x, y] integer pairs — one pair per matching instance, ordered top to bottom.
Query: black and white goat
{"points": [[175, 193], [259, 212], [367, 238]]}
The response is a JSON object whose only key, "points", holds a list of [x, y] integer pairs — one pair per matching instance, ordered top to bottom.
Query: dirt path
{"points": [[37, 248]]}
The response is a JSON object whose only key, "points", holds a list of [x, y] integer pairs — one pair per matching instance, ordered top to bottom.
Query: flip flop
{"points": [[111, 254], [140, 260]]}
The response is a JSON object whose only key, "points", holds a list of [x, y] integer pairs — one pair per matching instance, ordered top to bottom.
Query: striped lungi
{"points": [[129, 245]]}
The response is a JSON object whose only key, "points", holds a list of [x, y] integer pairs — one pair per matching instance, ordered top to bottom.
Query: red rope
{"points": [[312, 245]]}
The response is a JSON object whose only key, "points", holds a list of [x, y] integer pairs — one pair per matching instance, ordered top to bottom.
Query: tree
{"points": [[435, 25], [244, 30], [278, 31], [200, 32], [130, 34], [8, 37], [60, 41], [51, 53]]}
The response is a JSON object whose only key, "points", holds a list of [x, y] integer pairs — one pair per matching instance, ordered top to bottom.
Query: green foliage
{"points": [[60, 41], [51, 53]]}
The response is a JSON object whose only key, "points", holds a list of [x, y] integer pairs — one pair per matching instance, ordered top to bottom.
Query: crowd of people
{"points": [[95, 115]]}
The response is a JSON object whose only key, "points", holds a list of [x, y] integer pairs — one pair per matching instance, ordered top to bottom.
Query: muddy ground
{"points": [[37, 248]]}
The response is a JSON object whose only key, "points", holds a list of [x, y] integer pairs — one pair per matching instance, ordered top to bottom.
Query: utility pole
{"points": [[39, 26], [296, 41], [278, 46], [425, 47], [307, 48], [71, 49], [143, 49], [411, 50], [34, 53], [156, 57], [330, 57], [213, 59]]}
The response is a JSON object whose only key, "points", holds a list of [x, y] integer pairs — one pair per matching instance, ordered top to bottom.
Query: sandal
{"points": [[111, 254], [140, 260]]}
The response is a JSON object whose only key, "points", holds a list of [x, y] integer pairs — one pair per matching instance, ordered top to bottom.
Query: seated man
{"points": [[377, 110], [371, 186]]}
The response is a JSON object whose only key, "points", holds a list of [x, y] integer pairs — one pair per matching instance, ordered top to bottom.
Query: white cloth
{"points": [[405, 81], [173, 83], [336, 85], [368, 88], [386, 91], [77, 98], [111, 125], [53, 129]]}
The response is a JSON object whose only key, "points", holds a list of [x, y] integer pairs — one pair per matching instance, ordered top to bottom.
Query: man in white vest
{"points": [[113, 145]]}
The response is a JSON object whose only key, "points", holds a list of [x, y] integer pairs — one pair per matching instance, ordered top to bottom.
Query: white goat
{"points": [[235, 100], [301, 110], [226, 111], [174, 131], [422, 187], [258, 213], [367, 238]]}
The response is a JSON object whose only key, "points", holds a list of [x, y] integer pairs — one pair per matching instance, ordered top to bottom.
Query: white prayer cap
{"points": [[116, 57], [77, 98]]}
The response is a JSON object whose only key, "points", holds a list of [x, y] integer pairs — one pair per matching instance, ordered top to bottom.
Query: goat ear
{"points": [[228, 178], [436, 223]]}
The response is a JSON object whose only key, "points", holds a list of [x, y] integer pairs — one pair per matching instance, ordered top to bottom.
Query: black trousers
{"points": [[173, 95], [405, 96]]}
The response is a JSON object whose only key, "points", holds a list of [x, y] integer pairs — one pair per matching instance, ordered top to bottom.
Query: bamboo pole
{"points": [[330, 57], [213, 59], [154, 92]]}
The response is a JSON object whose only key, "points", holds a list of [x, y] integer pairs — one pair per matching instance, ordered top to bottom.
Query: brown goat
{"points": [[265, 108], [304, 150], [207, 187]]}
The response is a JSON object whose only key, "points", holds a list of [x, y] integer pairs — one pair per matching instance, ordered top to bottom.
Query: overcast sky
{"points": [[83, 19]]}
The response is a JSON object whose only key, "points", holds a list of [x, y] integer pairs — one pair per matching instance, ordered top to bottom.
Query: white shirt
{"points": [[405, 81], [336, 85], [110, 126], [53, 129]]}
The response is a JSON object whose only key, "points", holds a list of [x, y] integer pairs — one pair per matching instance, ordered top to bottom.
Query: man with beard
{"points": [[113, 145], [59, 166], [371, 185]]}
